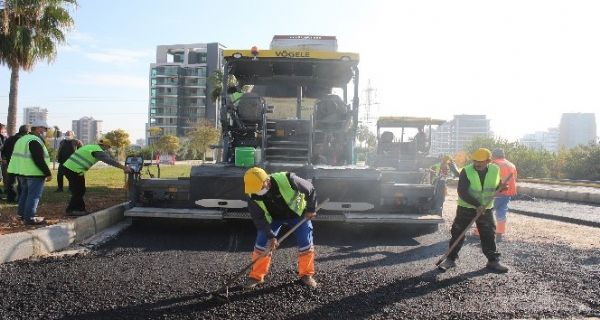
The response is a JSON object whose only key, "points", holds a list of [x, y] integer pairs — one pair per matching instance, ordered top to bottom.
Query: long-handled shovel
{"points": [[462, 234], [225, 288]]}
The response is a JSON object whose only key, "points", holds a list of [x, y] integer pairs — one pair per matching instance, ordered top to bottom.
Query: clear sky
{"points": [[522, 63]]}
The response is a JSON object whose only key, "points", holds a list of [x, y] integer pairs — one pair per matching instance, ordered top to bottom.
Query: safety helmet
{"points": [[39, 123], [105, 142], [498, 153], [482, 154], [254, 179]]}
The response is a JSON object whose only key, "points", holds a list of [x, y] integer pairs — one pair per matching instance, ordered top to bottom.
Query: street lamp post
{"points": [[57, 135]]}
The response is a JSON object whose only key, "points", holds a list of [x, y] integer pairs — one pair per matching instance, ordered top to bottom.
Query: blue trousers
{"points": [[29, 198], [501, 207], [304, 234]]}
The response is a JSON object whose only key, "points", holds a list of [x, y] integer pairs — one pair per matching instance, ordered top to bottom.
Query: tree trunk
{"points": [[11, 120]]}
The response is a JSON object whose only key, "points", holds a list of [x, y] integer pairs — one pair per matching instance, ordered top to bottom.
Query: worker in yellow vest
{"points": [[29, 163], [76, 166], [507, 171], [477, 186], [278, 199]]}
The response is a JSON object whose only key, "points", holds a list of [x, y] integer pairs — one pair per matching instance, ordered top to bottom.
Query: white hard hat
{"points": [[39, 124]]}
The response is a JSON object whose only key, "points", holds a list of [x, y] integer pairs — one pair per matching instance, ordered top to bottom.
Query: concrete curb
{"points": [[584, 197], [38, 242]]}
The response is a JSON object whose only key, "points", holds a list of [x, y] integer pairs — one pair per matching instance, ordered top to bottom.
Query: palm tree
{"points": [[30, 31]]}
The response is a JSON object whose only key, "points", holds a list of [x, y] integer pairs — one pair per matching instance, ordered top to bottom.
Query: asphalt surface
{"points": [[560, 187], [576, 213], [160, 270]]}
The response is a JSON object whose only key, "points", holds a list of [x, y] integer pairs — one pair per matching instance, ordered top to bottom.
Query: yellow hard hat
{"points": [[105, 142], [482, 154], [254, 179]]}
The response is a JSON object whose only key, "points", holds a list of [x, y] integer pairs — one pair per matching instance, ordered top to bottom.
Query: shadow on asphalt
{"points": [[390, 258], [376, 300], [345, 308]]}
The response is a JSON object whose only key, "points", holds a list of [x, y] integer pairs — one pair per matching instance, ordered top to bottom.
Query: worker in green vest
{"points": [[234, 95], [29, 162], [76, 166], [477, 186], [274, 200]]}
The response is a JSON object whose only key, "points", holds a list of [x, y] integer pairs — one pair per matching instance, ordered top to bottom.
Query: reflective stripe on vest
{"points": [[82, 159], [21, 162], [484, 194], [293, 198]]}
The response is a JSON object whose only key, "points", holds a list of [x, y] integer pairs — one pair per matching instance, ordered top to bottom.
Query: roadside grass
{"points": [[105, 188]]}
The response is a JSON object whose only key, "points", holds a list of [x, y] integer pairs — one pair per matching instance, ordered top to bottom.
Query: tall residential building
{"points": [[179, 86], [33, 114], [87, 129], [576, 129], [456, 134], [547, 140]]}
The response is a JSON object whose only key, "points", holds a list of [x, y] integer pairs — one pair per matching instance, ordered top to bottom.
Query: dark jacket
{"points": [[9, 146], [66, 149], [277, 207]]}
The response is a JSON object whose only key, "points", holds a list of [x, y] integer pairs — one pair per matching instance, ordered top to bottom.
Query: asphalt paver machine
{"points": [[296, 110]]}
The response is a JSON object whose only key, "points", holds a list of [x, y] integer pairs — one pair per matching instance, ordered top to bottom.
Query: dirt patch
{"points": [[52, 207]]}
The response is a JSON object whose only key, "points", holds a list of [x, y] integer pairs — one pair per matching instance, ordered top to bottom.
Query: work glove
{"points": [[310, 215], [272, 244]]}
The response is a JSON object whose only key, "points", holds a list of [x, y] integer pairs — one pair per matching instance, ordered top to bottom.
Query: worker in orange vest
{"points": [[503, 197]]}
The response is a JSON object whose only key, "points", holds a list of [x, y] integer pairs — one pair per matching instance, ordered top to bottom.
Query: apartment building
{"points": [[179, 87], [33, 114], [87, 129], [576, 129], [456, 134], [547, 140]]}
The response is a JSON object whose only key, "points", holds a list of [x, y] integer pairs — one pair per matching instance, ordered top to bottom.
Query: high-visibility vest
{"points": [[235, 98], [82, 159], [21, 162], [437, 168], [506, 168], [440, 169], [484, 194], [293, 198]]}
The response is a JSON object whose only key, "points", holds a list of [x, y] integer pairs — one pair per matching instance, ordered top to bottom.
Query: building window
{"points": [[196, 57]]}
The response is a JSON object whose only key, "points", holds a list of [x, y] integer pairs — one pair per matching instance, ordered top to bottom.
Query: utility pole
{"points": [[370, 96]]}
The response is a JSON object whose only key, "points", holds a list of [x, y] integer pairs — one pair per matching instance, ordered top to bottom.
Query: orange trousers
{"points": [[306, 264]]}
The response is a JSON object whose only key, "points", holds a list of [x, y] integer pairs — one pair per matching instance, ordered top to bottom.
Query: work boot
{"points": [[77, 213], [35, 221], [447, 264], [495, 266], [309, 281], [251, 283]]}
